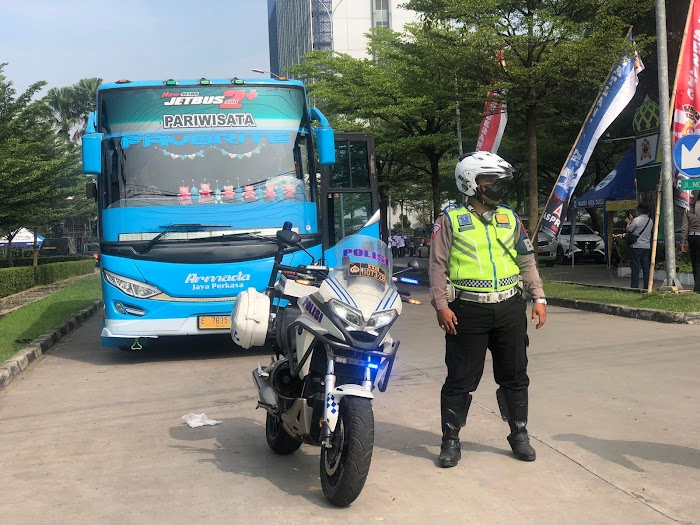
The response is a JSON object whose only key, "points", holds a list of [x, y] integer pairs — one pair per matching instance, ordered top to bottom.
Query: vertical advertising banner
{"points": [[617, 93], [686, 114], [494, 120]]}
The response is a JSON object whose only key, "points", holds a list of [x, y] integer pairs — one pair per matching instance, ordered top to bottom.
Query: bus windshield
{"points": [[209, 145]]}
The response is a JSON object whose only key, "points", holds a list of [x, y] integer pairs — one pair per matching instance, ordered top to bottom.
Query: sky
{"points": [[62, 41]]}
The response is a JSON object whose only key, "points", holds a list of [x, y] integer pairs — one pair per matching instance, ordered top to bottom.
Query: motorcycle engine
{"points": [[282, 381]]}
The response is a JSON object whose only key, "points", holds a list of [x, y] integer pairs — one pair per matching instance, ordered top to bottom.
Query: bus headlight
{"points": [[131, 287], [381, 319]]}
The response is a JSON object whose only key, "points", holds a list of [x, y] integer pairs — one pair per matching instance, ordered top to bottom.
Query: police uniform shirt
{"points": [[440, 260]]}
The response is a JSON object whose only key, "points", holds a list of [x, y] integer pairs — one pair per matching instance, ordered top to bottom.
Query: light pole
{"points": [[278, 77], [671, 282]]}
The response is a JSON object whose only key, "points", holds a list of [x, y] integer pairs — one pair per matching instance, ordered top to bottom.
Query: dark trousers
{"points": [[694, 251], [640, 258], [501, 328]]}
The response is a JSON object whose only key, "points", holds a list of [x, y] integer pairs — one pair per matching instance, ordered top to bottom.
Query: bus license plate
{"points": [[214, 322]]}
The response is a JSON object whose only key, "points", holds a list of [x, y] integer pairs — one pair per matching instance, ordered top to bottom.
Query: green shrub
{"points": [[29, 261], [50, 273], [14, 280]]}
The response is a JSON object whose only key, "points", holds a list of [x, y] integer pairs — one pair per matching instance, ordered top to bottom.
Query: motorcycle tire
{"points": [[278, 439], [344, 466]]}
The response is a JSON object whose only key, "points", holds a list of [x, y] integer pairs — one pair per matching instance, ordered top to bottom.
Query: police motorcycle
{"points": [[329, 328]]}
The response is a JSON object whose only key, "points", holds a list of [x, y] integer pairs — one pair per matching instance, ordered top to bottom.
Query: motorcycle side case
{"points": [[250, 318]]}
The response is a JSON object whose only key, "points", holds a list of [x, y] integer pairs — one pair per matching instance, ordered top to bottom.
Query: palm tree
{"points": [[85, 94], [70, 107], [63, 117]]}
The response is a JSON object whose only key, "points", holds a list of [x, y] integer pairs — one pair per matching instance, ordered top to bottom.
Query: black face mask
{"points": [[494, 191]]}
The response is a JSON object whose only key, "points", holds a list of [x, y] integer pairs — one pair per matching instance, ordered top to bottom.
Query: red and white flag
{"points": [[686, 111], [494, 120], [492, 125]]}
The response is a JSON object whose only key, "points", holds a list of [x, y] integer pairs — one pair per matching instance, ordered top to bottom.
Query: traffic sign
{"points": [[686, 155], [690, 184]]}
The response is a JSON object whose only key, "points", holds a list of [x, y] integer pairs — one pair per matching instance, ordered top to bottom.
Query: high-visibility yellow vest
{"points": [[478, 261]]}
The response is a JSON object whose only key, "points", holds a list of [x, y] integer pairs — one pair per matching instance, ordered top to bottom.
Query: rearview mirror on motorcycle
{"points": [[288, 237], [413, 265]]}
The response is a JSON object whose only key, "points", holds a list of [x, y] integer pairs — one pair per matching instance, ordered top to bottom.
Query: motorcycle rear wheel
{"points": [[278, 439], [344, 466]]}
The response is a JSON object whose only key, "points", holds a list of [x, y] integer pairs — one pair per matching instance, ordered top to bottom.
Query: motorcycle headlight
{"points": [[131, 287], [347, 313], [381, 319]]}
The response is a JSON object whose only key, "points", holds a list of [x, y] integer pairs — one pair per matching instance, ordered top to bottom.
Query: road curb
{"points": [[643, 314], [11, 368]]}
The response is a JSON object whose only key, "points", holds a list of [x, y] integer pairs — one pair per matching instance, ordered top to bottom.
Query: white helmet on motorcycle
{"points": [[480, 163]]}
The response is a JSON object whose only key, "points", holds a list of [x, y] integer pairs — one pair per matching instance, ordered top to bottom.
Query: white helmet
{"points": [[471, 165]]}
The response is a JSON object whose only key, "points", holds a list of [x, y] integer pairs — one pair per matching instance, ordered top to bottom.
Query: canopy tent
{"points": [[615, 192], [22, 239]]}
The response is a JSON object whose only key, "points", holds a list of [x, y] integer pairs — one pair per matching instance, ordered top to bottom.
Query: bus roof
{"points": [[189, 83]]}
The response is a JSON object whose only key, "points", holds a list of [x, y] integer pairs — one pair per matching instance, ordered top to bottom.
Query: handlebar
{"points": [[302, 268]]}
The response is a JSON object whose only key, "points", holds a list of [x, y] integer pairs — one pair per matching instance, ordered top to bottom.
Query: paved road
{"points": [[91, 435]]}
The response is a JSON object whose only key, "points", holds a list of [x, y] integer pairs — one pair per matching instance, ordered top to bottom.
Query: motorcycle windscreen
{"points": [[363, 265]]}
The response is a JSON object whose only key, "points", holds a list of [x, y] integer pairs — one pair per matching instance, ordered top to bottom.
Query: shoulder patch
{"points": [[436, 228]]}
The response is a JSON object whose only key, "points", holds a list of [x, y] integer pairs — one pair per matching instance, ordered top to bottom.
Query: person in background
{"points": [[690, 237], [401, 243], [394, 245], [640, 251]]}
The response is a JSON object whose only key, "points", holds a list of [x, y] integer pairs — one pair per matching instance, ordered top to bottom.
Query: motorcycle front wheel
{"points": [[278, 439], [344, 466]]}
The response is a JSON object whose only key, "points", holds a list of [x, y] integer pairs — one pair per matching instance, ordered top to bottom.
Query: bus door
{"points": [[349, 195]]}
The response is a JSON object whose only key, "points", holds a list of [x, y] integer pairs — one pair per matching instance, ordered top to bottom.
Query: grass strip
{"points": [[666, 301], [29, 322]]}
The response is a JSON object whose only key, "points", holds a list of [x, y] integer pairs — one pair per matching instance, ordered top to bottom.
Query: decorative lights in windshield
{"points": [[222, 151]]}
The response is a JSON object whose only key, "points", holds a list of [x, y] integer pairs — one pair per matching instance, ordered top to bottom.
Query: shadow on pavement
{"points": [[162, 350], [415, 443], [240, 447], [615, 451]]}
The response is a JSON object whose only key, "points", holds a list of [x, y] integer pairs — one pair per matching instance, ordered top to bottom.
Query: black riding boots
{"points": [[513, 406], [453, 410]]}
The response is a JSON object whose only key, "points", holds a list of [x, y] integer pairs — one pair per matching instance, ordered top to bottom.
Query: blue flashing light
{"points": [[408, 280], [373, 365]]}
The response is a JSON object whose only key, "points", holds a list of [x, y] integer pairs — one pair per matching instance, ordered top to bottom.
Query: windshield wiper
{"points": [[173, 227], [248, 235]]}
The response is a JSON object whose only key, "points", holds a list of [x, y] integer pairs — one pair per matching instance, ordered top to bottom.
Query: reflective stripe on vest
{"points": [[478, 262]]}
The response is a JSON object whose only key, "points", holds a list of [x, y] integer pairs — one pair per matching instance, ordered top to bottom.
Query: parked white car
{"points": [[588, 244], [546, 246], [546, 249]]}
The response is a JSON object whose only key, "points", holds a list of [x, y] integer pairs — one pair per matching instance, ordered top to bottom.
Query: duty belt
{"points": [[489, 298]]}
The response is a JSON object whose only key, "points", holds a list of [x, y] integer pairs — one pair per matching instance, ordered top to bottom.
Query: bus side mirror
{"points": [[325, 139], [92, 148], [92, 154], [91, 190]]}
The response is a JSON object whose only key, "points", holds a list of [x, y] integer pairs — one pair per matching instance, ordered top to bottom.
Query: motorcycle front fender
{"points": [[333, 398]]}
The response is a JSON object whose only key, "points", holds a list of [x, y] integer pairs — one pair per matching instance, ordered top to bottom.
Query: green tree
{"points": [[554, 49], [405, 96], [33, 163]]}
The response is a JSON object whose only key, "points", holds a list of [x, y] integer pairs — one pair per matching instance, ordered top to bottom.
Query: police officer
{"points": [[477, 254]]}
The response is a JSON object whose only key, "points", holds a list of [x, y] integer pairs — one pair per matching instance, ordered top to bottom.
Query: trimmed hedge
{"points": [[29, 261], [14, 280]]}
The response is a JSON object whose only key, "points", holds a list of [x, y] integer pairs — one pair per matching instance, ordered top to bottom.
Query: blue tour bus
{"points": [[194, 178]]}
